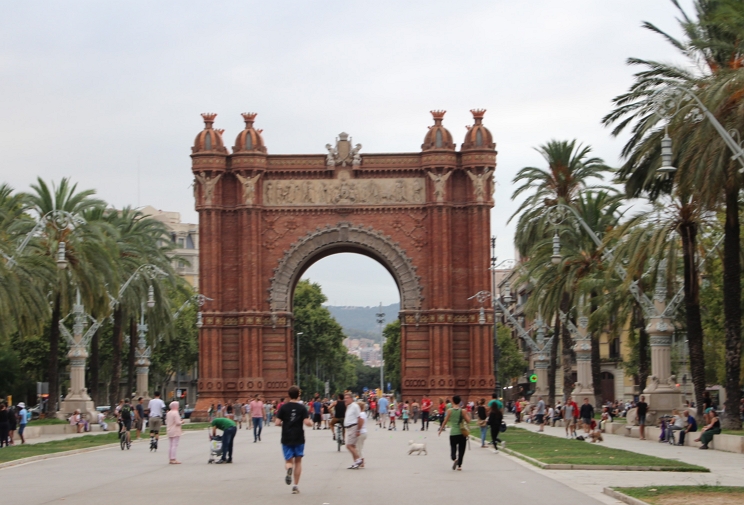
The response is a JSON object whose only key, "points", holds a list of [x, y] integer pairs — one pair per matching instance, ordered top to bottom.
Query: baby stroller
{"points": [[215, 448]]}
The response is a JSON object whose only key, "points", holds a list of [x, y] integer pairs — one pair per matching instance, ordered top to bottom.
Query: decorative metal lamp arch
{"points": [[351, 238]]}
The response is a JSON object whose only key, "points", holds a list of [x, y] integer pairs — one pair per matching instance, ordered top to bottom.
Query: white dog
{"points": [[416, 448]]}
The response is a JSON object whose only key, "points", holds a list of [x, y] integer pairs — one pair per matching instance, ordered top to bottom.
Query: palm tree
{"points": [[713, 49], [570, 170], [669, 232], [140, 240], [88, 260], [581, 271], [23, 274]]}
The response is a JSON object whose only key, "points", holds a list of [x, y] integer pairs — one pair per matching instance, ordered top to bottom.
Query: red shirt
{"points": [[426, 405], [441, 408]]}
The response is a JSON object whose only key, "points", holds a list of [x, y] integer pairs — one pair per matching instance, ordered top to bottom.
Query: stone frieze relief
{"points": [[344, 191]]}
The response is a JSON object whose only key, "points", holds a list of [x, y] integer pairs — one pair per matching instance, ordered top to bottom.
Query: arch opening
{"points": [[344, 238]]}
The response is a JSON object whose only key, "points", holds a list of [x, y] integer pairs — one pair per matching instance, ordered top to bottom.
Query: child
{"points": [[404, 415], [392, 420], [102, 421]]}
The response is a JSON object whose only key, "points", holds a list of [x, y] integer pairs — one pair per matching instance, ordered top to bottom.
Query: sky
{"points": [[109, 93]]}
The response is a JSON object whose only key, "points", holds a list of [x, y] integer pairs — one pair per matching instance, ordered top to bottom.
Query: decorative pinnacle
{"points": [[478, 115], [438, 116], [249, 118], [208, 119], [220, 131]]}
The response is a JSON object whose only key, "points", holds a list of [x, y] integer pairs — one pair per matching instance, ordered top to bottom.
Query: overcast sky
{"points": [[109, 93]]}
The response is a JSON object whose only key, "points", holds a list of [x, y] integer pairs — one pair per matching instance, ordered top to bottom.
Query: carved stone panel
{"points": [[344, 191]]}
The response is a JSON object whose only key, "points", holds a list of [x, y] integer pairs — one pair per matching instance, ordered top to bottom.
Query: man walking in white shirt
{"points": [[156, 406], [353, 423]]}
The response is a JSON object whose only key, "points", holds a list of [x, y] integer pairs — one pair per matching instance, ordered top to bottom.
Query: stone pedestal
{"points": [[541, 370], [143, 383], [583, 388], [662, 394], [77, 397]]}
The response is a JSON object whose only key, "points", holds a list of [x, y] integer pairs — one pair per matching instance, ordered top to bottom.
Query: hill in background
{"points": [[360, 322]]}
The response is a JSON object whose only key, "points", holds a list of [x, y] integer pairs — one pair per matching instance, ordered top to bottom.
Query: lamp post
{"points": [[59, 219], [200, 301], [380, 318], [298, 335], [663, 395]]}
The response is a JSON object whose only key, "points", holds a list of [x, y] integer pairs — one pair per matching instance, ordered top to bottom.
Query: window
{"points": [[479, 138], [439, 139], [208, 141], [248, 141], [189, 242], [181, 243], [615, 348]]}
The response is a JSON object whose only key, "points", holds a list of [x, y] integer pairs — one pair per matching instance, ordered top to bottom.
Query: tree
{"points": [[713, 71], [570, 171], [88, 260], [391, 353], [323, 356], [511, 362]]}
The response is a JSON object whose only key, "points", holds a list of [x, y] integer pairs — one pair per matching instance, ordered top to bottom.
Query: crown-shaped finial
{"points": [[438, 115], [478, 115], [249, 117], [208, 118], [220, 131]]}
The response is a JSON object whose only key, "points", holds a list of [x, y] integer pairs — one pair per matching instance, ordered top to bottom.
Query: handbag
{"points": [[502, 428], [464, 429]]}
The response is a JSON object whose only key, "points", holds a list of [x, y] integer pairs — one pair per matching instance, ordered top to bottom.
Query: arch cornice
{"points": [[366, 239]]}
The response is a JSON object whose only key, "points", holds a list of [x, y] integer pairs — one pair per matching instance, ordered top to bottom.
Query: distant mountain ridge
{"points": [[362, 321]]}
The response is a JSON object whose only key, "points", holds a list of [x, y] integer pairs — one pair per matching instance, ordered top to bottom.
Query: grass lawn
{"points": [[47, 422], [733, 432], [84, 442], [554, 450], [26, 451], [672, 495]]}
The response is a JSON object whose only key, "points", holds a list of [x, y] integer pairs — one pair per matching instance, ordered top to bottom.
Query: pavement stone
{"points": [[258, 474]]}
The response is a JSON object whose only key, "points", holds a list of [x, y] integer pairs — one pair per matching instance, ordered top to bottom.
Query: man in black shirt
{"points": [[641, 410], [339, 412], [586, 412], [292, 416]]}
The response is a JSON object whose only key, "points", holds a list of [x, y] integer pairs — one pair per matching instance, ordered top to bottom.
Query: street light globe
{"points": [[150, 297], [199, 321]]}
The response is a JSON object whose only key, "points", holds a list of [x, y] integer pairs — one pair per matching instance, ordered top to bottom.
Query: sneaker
{"points": [[221, 462], [454, 465], [353, 466], [288, 478], [295, 490]]}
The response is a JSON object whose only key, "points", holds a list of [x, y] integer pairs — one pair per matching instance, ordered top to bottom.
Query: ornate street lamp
{"points": [[666, 156], [556, 257]]}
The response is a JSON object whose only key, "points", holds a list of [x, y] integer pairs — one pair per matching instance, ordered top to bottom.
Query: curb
{"points": [[52, 455], [41, 457], [623, 497]]}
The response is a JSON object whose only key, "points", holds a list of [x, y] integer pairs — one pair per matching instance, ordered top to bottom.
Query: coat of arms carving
{"points": [[343, 154]]}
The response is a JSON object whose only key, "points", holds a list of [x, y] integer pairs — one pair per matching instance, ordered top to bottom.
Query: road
{"points": [[257, 476]]}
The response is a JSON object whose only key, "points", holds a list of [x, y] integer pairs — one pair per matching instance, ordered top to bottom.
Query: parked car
{"points": [[103, 408], [187, 413]]}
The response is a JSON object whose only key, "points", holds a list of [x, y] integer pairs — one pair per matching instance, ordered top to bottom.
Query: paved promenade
{"points": [[725, 468], [257, 475]]}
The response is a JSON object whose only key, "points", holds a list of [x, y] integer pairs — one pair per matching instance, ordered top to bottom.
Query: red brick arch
{"points": [[265, 218]]}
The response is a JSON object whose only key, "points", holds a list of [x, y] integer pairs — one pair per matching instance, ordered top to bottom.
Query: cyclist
{"points": [[339, 412], [125, 421]]}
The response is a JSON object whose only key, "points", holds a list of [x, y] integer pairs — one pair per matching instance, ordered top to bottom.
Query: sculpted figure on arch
{"points": [[439, 185]]}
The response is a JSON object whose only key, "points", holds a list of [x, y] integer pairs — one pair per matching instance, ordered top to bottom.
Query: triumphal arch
{"points": [[265, 218]]}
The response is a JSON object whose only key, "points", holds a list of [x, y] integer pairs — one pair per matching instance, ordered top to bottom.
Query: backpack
{"points": [[126, 413]]}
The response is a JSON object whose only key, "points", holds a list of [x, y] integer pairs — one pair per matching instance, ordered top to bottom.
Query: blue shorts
{"points": [[293, 451]]}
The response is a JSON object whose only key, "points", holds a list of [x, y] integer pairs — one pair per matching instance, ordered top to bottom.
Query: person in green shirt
{"points": [[495, 399], [229, 430], [458, 441]]}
